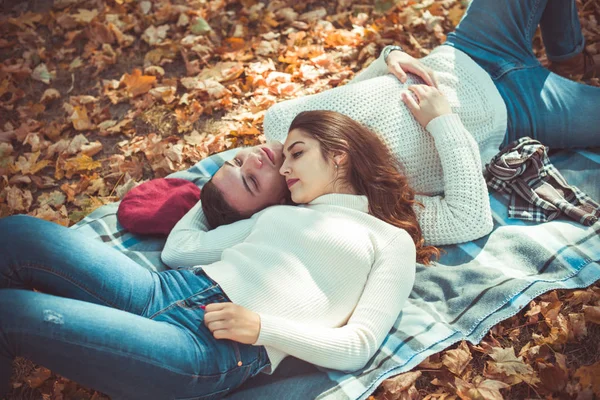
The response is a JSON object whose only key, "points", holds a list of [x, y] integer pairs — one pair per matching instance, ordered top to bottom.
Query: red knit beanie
{"points": [[154, 207]]}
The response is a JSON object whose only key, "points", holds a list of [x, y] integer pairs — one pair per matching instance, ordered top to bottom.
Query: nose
{"points": [[253, 161], [285, 169]]}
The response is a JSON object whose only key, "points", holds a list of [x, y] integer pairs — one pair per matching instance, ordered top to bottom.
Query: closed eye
{"points": [[296, 154]]}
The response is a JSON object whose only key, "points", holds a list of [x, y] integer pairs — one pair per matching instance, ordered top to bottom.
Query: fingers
{"points": [[398, 72], [426, 75], [433, 76], [420, 91], [410, 102]]}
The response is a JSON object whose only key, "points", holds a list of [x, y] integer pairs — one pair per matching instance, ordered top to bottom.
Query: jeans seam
{"points": [[528, 33], [516, 68], [13, 271], [176, 303]]}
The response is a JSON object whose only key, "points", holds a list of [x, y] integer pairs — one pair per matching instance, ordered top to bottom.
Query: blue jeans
{"points": [[498, 36], [108, 323]]}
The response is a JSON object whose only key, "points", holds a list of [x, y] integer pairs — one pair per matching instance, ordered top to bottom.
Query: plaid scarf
{"points": [[538, 192]]}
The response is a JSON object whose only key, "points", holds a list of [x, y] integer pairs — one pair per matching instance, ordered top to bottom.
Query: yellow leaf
{"points": [[455, 14], [80, 119], [80, 163]]}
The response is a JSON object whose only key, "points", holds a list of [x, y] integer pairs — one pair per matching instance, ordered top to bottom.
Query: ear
{"points": [[340, 158]]}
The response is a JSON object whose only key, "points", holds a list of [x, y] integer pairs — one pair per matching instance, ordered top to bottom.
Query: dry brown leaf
{"points": [[85, 16], [154, 35], [49, 95], [28, 163], [53, 199], [18, 200], [59, 216], [579, 297], [592, 314], [578, 327], [456, 360], [507, 364], [588, 376], [38, 377], [553, 377], [401, 383], [480, 389]]}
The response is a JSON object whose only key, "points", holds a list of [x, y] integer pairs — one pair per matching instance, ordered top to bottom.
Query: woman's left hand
{"points": [[399, 63], [233, 322]]}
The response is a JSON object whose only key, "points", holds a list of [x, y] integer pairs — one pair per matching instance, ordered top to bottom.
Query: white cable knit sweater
{"points": [[444, 162], [327, 279]]}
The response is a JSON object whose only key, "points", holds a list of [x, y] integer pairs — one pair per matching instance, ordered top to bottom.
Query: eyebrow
{"points": [[293, 144], [230, 164]]}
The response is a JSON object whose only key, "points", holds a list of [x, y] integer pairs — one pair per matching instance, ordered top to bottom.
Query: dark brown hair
{"points": [[371, 169], [216, 209]]}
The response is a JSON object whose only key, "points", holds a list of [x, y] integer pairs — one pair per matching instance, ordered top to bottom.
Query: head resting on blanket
{"points": [[328, 152]]}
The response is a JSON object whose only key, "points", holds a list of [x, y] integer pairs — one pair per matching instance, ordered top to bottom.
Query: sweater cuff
{"points": [[448, 130], [268, 331]]}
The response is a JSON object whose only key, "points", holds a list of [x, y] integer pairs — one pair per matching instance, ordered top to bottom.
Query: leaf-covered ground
{"points": [[99, 96]]}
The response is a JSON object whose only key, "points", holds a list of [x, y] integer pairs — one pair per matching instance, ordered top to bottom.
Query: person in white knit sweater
{"points": [[498, 92], [323, 281]]}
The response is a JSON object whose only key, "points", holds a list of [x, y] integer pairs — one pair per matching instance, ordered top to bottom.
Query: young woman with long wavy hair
{"points": [[323, 281]]}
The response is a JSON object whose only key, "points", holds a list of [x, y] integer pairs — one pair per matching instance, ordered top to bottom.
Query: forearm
{"points": [[464, 212], [191, 243]]}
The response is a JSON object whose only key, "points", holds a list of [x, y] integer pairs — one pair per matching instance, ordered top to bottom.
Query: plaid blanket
{"points": [[538, 192], [474, 286]]}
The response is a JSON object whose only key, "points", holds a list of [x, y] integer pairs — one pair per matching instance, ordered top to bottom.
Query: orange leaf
{"points": [[138, 84]]}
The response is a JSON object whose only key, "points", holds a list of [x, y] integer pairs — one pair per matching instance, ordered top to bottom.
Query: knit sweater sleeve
{"points": [[463, 213], [191, 243], [350, 347]]}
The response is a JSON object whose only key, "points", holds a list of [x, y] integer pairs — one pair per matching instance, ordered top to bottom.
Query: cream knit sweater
{"points": [[444, 162], [327, 279]]}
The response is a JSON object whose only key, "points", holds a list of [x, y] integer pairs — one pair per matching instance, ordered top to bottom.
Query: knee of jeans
{"points": [[16, 227]]}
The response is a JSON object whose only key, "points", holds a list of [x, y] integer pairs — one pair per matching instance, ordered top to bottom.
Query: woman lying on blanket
{"points": [[498, 92], [323, 281]]}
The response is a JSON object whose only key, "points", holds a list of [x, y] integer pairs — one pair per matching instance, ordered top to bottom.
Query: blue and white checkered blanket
{"points": [[474, 286]]}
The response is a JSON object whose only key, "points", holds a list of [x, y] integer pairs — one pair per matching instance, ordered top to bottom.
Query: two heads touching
{"points": [[325, 152]]}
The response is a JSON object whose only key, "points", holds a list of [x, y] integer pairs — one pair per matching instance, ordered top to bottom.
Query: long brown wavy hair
{"points": [[371, 169]]}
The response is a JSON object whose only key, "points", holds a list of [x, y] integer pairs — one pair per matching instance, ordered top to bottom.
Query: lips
{"points": [[269, 154], [290, 182]]}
